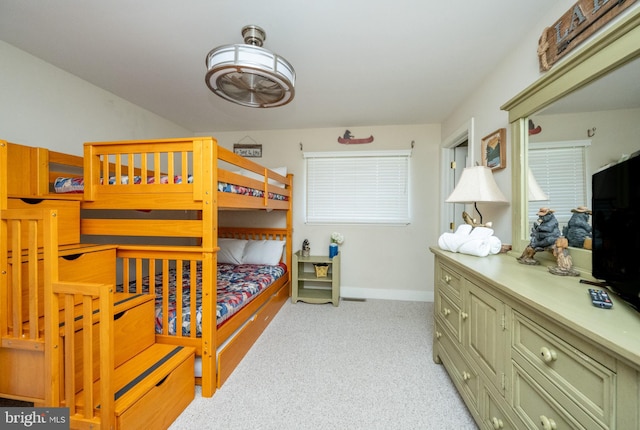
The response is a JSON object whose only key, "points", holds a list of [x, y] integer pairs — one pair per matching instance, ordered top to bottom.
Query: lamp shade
{"points": [[476, 185], [534, 192]]}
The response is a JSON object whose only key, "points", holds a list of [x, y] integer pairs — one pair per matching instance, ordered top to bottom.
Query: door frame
{"points": [[447, 149]]}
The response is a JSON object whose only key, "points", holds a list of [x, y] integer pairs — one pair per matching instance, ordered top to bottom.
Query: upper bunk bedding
{"points": [[75, 185]]}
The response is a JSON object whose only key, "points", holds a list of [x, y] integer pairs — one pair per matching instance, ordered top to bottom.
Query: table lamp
{"points": [[476, 185]]}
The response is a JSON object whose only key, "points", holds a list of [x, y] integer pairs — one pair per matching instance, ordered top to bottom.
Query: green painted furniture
{"points": [[306, 286], [527, 350]]}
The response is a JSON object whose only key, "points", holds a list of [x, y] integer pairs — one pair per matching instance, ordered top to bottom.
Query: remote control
{"points": [[600, 298]]}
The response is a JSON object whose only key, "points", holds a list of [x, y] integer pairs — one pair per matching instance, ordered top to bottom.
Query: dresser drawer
{"points": [[68, 217], [450, 281], [449, 315], [576, 374], [464, 376], [541, 408], [495, 417]]}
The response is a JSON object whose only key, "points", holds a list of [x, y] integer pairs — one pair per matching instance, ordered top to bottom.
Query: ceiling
{"points": [[358, 62]]}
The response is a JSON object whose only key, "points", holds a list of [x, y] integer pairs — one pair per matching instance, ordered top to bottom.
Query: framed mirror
{"points": [[581, 77]]}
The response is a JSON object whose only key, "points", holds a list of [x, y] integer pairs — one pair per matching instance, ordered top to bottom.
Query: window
{"points": [[559, 168], [357, 187]]}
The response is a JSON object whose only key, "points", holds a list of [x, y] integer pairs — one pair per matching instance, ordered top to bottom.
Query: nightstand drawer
{"points": [[68, 217], [573, 371]]}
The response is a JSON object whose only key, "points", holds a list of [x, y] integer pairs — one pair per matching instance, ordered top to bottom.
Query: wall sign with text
{"points": [[574, 27], [252, 150]]}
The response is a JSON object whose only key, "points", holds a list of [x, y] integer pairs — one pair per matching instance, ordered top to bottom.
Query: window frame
{"points": [[361, 213]]}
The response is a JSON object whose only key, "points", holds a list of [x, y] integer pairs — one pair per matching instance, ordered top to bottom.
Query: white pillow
{"points": [[231, 250], [263, 252]]}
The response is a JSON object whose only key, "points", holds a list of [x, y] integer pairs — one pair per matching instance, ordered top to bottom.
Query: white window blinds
{"points": [[559, 169], [357, 187]]}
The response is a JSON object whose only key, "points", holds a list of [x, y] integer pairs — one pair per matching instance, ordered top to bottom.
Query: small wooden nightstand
{"points": [[308, 287]]}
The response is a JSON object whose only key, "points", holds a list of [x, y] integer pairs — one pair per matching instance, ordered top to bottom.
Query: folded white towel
{"points": [[480, 233], [452, 241], [478, 241], [495, 245], [477, 247]]}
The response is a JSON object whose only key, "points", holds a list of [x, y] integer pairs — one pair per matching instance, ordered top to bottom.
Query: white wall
{"points": [[512, 75], [42, 105], [391, 262]]}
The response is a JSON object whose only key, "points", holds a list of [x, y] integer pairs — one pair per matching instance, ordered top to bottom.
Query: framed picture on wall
{"points": [[494, 150]]}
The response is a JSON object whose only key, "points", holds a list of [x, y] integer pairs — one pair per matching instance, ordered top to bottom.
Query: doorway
{"points": [[457, 151]]}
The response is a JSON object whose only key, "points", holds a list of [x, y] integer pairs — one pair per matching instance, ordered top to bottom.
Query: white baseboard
{"points": [[374, 293]]}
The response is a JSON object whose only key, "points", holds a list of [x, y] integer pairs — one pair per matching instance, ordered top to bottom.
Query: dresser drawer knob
{"points": [[447, 278], [446, 311], [464, 315], [438, 335], [548, 355], [466, 376], [497, 423], [548, 423]]}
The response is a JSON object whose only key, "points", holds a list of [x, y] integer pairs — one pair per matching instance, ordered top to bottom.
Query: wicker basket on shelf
{"points": [[321, 270]]}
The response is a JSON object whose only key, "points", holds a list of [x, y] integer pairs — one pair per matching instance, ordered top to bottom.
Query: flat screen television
{"points": [[616, 228]]}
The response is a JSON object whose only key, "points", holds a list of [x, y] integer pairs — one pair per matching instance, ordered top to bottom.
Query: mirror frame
{"points": [[614, 47]]}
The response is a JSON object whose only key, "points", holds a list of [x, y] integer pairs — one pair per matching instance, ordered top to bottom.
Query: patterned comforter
{"points": [[237, 286]]}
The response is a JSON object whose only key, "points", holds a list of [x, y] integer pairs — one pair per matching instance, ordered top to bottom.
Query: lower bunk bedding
{"points": [[237, 285]]}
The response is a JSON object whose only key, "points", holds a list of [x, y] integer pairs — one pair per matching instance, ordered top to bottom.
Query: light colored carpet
{"points": [[363, 365]]}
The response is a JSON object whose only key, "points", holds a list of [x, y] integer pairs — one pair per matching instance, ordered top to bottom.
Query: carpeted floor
{"points": [[363, 365]]}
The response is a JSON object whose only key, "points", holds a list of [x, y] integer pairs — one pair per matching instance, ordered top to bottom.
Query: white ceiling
{"points": [[358, 62]]}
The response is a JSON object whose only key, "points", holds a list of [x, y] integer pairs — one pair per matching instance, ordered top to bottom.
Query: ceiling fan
{"points": [[250, 75]]}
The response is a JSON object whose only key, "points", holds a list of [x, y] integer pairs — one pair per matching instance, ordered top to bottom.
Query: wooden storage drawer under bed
{"points": [[235, 349]]}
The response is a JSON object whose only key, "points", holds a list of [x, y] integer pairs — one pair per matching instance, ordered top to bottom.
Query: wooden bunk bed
{"points": [[195, 175]]}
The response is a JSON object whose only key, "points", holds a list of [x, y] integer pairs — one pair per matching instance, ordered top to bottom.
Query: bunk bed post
{"points": [[208, 163], [3, 168], [91, 169], [42, 171], [290, 230], [52, 348]]}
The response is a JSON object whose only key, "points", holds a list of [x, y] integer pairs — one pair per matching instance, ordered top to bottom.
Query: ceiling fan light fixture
{"points": [[250, 75]]}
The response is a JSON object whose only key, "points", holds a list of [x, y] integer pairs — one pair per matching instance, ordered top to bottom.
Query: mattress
{"points": [[237, 285]]}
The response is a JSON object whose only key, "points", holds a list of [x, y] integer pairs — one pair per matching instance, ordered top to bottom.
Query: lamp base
{"points": [[472, 222]]}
